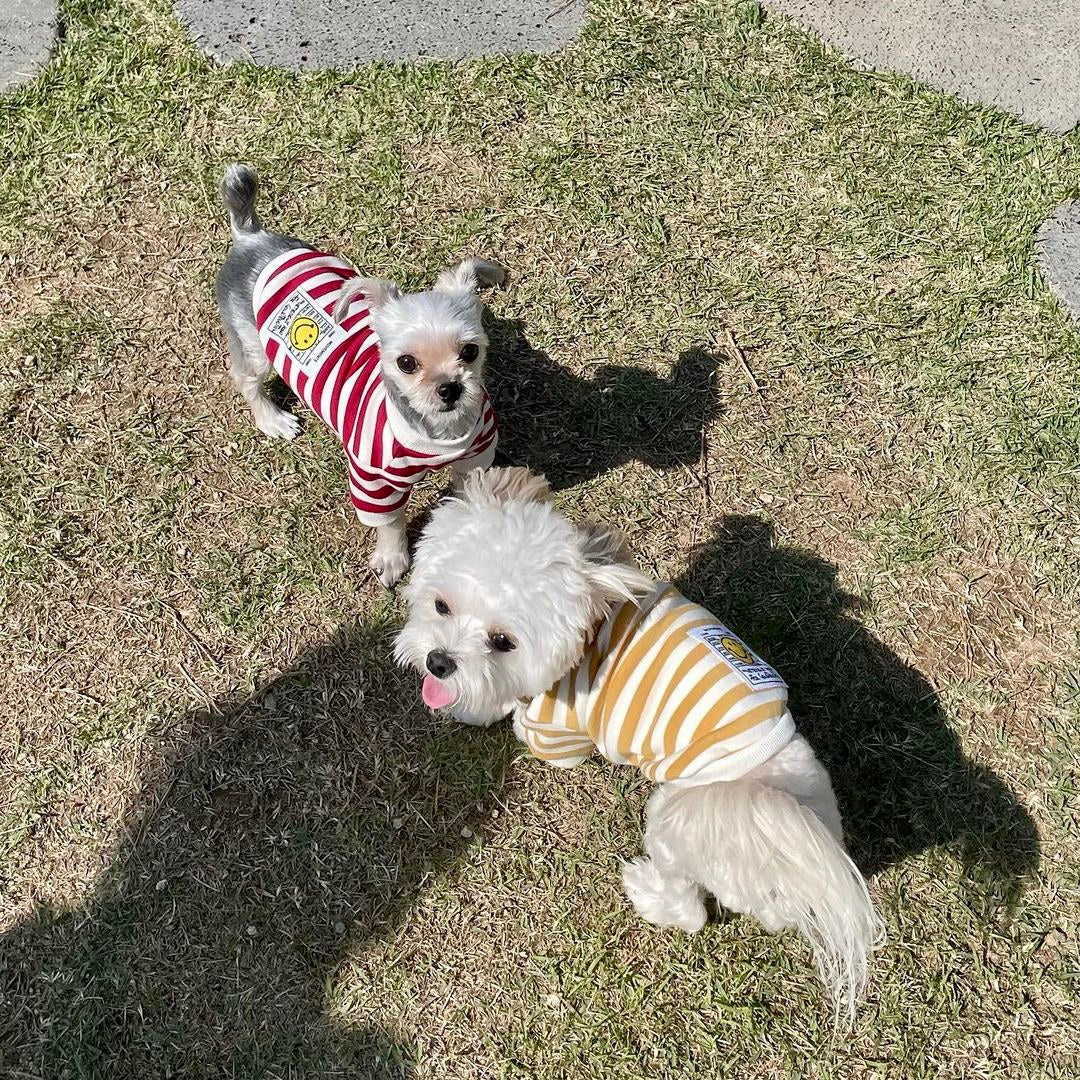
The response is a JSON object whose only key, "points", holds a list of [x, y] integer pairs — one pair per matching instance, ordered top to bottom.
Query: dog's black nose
{"points": [[449, 392], [440, 664]]}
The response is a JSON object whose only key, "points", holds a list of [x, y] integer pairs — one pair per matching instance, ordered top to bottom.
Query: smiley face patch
{"points": [[304, 331], [738, 656]]}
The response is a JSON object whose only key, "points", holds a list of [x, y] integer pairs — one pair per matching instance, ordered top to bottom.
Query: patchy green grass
{"points": [[775, 317]]}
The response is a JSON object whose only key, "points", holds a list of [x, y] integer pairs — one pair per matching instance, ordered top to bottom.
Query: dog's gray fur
{"points": [[253, 248]]}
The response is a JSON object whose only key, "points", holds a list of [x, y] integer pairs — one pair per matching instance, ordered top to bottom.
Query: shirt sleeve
{"points": [[481, 460], [375, 500], [554, 744], [563, 749]]}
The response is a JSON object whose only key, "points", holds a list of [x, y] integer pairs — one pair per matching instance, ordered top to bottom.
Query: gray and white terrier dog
{"points": [[397, 376]]}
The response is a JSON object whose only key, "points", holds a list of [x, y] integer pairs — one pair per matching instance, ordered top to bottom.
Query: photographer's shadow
{"points": [[573, 429], [902, 780], [292, 826]]}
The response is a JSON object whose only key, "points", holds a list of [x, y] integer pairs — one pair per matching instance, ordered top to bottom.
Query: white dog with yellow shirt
{"points": [[515, 610]]}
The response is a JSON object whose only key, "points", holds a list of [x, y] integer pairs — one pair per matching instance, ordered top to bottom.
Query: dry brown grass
{"points": [[774, 317]]}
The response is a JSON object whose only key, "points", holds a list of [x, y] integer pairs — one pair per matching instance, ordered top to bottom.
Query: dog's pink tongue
{"points": [[437, 695]]}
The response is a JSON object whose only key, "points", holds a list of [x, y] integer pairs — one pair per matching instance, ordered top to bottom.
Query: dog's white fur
{"points": [[769, 845]]}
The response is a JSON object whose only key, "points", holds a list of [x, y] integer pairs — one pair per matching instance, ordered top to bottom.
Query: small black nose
{"points": [[449, 392], [440, 664]]}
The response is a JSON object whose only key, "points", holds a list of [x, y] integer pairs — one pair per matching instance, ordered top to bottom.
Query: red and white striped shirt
{"points": [[334, 369]]}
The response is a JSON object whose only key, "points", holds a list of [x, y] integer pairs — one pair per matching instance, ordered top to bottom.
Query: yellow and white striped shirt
{"points": [[667, 688]]}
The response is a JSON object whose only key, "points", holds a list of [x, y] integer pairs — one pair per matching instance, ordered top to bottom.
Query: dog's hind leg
{"points": [[250, 254], [250, 370], [767, 845], [660, 891], [664, 899]]}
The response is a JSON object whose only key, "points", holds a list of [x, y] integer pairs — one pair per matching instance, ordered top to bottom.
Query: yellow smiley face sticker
{"points": [[303, 333], [737, 650]]}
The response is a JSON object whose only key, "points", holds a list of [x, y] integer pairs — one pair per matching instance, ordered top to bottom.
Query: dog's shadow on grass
{"points": [[573, 429], [902, 780], [292, 826]]}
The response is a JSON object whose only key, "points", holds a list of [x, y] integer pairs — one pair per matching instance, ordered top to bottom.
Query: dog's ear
{"points": [[470, 275], [378, 292], [505, 485], [609, 566]]}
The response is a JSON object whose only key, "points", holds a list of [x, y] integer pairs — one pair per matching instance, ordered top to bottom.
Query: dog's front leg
{"points": [[390, 558]]}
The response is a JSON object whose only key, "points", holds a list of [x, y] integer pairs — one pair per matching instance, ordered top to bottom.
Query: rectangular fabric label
{"points": [[305, 331], [742, 660]]}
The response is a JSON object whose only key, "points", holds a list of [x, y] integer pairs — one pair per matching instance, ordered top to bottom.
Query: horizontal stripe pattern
{"points": [[335, 372], [650, 693]]}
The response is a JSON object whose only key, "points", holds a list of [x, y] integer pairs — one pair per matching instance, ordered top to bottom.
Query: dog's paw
{"points": [[278, 424], [389, 566]]}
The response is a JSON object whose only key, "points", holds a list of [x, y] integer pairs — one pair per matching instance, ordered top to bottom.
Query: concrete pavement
{"points": [[308, 35]]}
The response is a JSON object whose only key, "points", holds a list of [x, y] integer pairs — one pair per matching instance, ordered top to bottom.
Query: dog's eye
{"points": [[469, 352], [407, 363], [442, 607], [501, 643]]}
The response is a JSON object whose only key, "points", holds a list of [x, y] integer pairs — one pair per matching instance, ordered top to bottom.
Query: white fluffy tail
{"points": [[763, 853]]}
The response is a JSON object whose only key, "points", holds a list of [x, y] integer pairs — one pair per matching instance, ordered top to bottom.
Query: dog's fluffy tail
{"points": [[239, 186], [764, 853]]}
